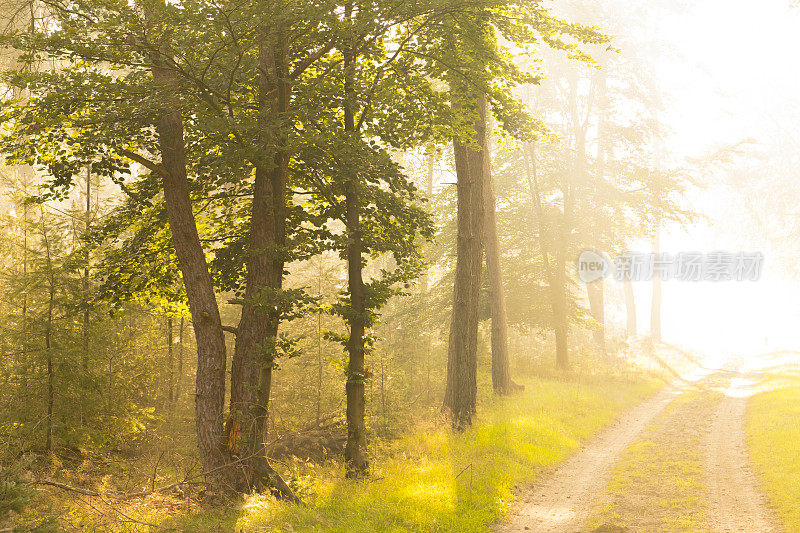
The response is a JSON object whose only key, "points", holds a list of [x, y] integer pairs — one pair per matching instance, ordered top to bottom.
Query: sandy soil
{"points": [[657, 484], [565, 498], [562, 501], [736, 502]]}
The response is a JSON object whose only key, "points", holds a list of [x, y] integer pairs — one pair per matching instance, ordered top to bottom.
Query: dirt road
{"points": [[735, 499], [564, 500]]}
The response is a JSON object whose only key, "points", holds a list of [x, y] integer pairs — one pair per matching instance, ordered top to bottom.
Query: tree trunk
{"points": [[554, 273], [426, 278], [560, 288], [596, 289], [558, 294], [655, 307], [630, 308], [597, 309], [48, 332], [210, 340], [319, 342], [255, 350], [24, 355], [85, 362], [170, 365], [501, 369], [179, 376], [250, 382], [461, 390], [356, 448], [355, 452]]}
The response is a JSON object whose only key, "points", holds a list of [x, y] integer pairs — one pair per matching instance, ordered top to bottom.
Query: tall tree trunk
{"points": [[553, 272], [425, 282], [560, 286], [596, 289], [560, 290], [558, 294], [655, 307], [630, 308], [597, 309], [85, 325], [258, 327], [48, 332], [209, 336], [256, 336], [319, 342], [24, 354], [170, 366], [501, 367], [179, 373], [461, 390], [355, 452]]}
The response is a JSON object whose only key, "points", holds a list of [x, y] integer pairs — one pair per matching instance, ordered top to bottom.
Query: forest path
{"points": [[565, 499], [562, 501], [735, 502]]}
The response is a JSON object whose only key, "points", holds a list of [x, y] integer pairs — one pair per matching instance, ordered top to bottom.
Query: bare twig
{"points": [[79, 490]]}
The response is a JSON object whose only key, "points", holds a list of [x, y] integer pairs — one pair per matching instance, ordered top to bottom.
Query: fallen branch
{"points": [[79, 490], [148, 492], [121, 497]]}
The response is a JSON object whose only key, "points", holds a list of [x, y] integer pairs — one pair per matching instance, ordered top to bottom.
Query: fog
{"points": [[730, 77]]}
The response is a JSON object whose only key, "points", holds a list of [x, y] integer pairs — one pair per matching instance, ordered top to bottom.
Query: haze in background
{"points": [[730, 74]]}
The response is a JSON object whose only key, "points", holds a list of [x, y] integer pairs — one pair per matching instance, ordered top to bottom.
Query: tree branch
{"points": [[311, 59], [153, 167]]}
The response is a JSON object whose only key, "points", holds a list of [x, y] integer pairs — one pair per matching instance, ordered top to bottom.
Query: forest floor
{"points": [[715, 450], [679, 461], [428, 479], [433, 479]]}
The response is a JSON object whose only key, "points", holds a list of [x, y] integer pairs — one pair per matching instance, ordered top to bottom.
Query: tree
{"points": [[157, 76], [485, 79], [218, 141], [349, 171], [552, 260], [655, 304], [630, 309], [48, 335], [462, 364], [501, 364]]}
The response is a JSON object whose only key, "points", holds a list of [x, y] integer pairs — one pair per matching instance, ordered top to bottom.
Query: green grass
{"points": [[773, 433], [437, 480]]}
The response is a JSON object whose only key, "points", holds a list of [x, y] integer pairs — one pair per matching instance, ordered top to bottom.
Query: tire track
{"points": [[562, 501], [736, 502]]}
